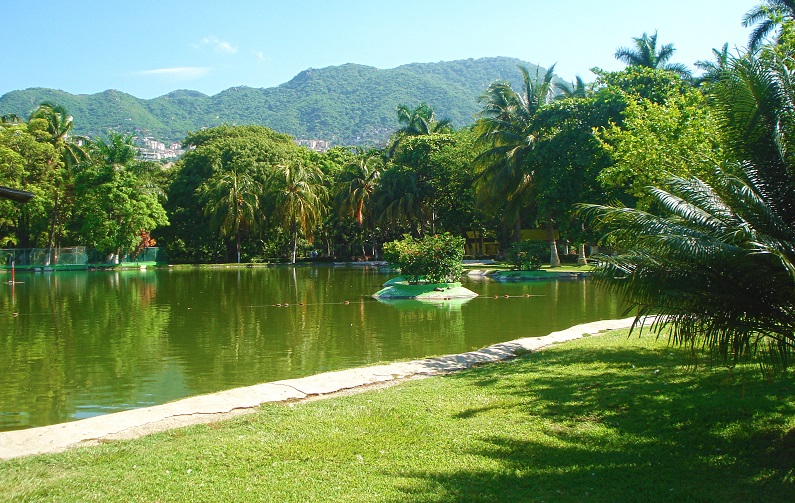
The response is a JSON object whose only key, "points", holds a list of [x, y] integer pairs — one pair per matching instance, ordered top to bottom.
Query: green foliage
{"points": [[527, 255], [434, 259], [718, 262]]}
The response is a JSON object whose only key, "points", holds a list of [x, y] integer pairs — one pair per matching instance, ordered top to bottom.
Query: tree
{"points": [[767, 17], [646, 54], [713, 69], [415, 122], [59, 125], [509, 130], [357, 185], [297, 194], [232, 199], [191, 237], [718, 264]]}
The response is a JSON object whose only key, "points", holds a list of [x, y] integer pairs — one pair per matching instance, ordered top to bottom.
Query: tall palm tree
{"points": [[767, 17], [645, 53], [714, 69], [577, 89], [417, 121], [59, 126], [509, 130], [70, 149], [118, 150], [358, 183], [298, 195], [231, 199], [718, 265]]}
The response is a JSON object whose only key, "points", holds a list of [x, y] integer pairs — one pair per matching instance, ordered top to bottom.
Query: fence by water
{"points": [[75, 258]]}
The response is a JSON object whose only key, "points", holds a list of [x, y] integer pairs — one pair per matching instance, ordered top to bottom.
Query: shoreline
{"points": [[226, 404]]}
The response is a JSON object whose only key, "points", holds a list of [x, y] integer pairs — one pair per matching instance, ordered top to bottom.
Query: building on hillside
{"points": [[316, 145]]}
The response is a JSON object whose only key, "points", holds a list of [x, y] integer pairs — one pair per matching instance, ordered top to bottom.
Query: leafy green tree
{"points": [[767, 17], [645, 53], [508, 131], [654, 141], [30, 164], [297, 193], [111, 210], [191, 237], [432, 259], [718, 264]]}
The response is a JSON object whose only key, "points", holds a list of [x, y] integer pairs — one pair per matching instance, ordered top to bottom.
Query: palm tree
{"points": [[768, 16], [646, 54], [713, 70], [577, 89], [415, 122], [59, 125], [509, 130], [118, 151], [358, 183], [298, 195], [231, 199], [719, 265]]}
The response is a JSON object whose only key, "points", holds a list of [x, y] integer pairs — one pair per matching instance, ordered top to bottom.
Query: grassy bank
{"points": [[604, 418]]}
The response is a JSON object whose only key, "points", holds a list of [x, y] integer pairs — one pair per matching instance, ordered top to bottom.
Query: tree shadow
{"points": [[624, 425]]}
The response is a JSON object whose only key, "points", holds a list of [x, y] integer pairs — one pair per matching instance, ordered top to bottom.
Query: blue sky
{"points": [[149, 48]]}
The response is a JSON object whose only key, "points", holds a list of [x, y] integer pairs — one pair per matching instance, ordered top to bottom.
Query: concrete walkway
{"points": [[217, 406]]}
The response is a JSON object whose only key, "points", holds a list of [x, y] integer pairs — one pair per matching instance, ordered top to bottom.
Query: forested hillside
{"points": [[347, 104]]}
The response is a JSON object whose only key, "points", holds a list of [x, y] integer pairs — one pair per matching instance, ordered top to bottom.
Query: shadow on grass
{"points": [[624, 425]]}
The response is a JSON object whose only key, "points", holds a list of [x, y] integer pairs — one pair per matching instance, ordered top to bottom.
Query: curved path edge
{"points": [[215, 406]]}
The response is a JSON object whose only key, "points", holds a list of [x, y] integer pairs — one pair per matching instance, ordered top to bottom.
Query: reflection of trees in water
{"points": [[171, 333], [78, 335]]}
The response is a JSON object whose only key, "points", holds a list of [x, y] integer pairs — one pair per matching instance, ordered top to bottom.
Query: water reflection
{"points": [[84, 344]]}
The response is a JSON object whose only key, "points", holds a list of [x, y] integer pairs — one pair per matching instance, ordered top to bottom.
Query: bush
{"points": [[528, 255], [437, 259]]}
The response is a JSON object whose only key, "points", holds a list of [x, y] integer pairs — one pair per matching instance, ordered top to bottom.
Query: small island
{"points": [[430, 268]]}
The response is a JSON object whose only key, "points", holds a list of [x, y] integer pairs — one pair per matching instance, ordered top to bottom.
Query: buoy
{"points": [[506, 295], [527, 295], [496, 296], [346, 302], [300, 303], [278, 305], [286, 305], [15, 315]]}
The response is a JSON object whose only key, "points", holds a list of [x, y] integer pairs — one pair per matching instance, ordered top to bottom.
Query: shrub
{"points": [[528, 255], [436, 259]]}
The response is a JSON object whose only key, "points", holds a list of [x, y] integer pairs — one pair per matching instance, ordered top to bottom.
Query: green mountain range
{"points": [[347, 105]]}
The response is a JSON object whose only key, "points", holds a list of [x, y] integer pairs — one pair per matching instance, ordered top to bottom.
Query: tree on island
{"points": [[433, 259]]}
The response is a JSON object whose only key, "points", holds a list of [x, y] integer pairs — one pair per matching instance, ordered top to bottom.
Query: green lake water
{"points": [[88, 343]]}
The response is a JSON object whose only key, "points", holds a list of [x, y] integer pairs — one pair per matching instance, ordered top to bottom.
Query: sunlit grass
{"points": [[606, 418]]}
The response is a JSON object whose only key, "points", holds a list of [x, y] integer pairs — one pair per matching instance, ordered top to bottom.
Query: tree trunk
{"points": [[294, 230], [554, 259], [581, 259]]}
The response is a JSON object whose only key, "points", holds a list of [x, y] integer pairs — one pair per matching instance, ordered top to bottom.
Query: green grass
{"points": [[606, 418]]}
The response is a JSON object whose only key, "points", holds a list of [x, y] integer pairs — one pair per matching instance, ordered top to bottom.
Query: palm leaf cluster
{"points": [[717, 264]]}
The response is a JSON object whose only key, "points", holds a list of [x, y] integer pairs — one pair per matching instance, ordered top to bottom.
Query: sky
{"points": [[149, 48]]}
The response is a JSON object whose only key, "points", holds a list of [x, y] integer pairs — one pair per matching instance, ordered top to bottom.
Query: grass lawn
{"points": [[603, 419]]}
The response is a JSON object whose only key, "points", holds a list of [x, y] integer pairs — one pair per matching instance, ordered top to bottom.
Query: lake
{"points": [[82, 344]]}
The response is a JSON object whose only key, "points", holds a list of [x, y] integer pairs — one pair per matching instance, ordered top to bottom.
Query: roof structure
{"points": [[15, 195]]}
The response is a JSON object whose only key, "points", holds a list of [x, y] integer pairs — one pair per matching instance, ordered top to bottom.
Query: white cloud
{"points": [[218, 45], [259, 55], [178, 72]]}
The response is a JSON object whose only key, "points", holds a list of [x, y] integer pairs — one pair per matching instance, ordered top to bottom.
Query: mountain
{"points": [[347, 104]]}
